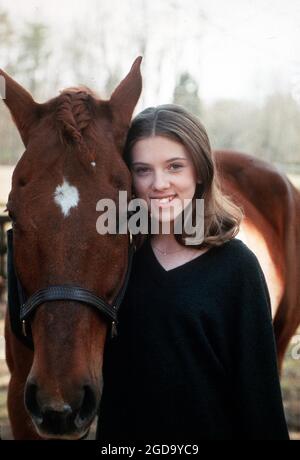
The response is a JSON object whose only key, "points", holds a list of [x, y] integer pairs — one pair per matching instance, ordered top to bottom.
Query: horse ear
{"points": [[123, 101], [21, 105]]}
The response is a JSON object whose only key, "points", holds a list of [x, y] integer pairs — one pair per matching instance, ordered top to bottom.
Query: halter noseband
{"points": [[70, 292]]}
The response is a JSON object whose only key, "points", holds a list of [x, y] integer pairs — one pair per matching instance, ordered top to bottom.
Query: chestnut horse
{"points": [[75, 142], [73, 158], [271, 228]]}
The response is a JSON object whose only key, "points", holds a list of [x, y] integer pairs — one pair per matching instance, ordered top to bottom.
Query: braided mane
{"points": [[74, 112]]}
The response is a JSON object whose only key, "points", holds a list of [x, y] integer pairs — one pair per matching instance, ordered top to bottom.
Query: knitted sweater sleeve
{"points": [[256, 386]]}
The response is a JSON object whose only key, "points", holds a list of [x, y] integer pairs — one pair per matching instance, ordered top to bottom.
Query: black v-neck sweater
{"points": [[195, 353]]}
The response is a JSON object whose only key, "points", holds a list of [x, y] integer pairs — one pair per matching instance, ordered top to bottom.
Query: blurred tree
{"points": [[6, 40], [95, 50], [33, 56], [25, 57], [76, 59], [90, 62], [186, 94], [230, 124], [278, 129], [270, 132], [10, 142]]}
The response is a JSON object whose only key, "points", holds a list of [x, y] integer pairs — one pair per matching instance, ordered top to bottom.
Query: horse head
{"points": [[72, 159]]}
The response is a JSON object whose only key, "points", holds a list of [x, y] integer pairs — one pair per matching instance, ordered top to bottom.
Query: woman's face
{"points": [[163, 175]]}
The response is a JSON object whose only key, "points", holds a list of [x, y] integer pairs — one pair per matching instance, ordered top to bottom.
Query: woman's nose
{"points": [[160, 181]]}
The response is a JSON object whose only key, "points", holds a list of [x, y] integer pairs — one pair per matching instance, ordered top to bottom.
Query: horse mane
{"points": [[75, 109]]}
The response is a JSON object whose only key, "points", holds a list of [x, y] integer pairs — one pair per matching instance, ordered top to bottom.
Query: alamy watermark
{"points": [[163, 217]]}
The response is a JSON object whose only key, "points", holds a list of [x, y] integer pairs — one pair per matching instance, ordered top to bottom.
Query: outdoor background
{"points": [[235, 64]]}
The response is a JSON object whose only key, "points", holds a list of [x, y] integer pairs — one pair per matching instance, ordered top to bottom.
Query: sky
{"points": [[240, 49]]}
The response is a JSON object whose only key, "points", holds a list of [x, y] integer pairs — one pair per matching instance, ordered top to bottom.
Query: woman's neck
{"points": [[165, 242]]}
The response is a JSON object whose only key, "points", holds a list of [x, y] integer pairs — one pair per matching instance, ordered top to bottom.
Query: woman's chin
{"points": [[163, 219]]}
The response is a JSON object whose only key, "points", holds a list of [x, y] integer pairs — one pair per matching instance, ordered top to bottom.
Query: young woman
{"points": [[195, 354]]}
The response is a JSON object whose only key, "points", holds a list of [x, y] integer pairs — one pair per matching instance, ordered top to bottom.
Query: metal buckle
{"points": [[24, 328], [114, 331]]}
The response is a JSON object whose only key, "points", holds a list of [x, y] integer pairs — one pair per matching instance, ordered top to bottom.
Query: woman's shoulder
{"points": [[236, 248], [239, 256], [250, 277]]}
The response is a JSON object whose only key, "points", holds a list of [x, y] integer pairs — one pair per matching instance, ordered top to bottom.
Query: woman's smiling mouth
{"points": [[163, 200]]}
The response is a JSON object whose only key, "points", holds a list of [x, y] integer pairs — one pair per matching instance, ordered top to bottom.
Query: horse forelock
{"points": [[75, 111]]}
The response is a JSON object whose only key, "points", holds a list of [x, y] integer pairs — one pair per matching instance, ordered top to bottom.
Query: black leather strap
{"points": [[67, 293], [79, 294], [15, 295], [26, 307]]}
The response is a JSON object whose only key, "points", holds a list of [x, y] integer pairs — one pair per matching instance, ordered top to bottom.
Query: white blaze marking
{"points": [[93, 164], [66, 196]]}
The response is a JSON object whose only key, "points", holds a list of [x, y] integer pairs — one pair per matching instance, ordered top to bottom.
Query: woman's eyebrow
{"points": [[176, 158], [167, 161], [139, 163]]}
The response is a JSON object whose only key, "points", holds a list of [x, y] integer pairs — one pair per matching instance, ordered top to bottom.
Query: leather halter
{"points": [[71, 292]]}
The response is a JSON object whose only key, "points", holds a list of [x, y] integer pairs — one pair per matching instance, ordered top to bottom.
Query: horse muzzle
{"points": [[58, 419]]}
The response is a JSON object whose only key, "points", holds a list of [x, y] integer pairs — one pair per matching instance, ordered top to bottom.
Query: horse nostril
{"points": [[31, 402], [88, 407], [62, 414], [58, 417], [58, 421]]}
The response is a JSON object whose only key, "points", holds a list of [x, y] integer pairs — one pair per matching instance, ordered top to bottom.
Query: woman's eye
{"points": [[175, 166], [142, 170]]}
